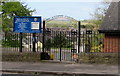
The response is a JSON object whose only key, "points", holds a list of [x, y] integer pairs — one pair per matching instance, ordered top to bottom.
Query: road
{"points": [[23, 75], [56, 75]]}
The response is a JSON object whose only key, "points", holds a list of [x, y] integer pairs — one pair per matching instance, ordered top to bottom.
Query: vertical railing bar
{"points": [[79, 33], [13, 34], [27, 34], [70, 34], [43, 36], [90, 36], [99, 38], [94, 39], [34, 40], [13, 41], [83, 41], [86, 41], [101, 41], [10, 42], [17, 42], [29, 42], [51, 42], [98, 42], [69, 43], [36, 44], [54, 45], [60, 47], [64, 47], [39, 49], [52, 49], [20, 50], [55, 50], [67, 50]]}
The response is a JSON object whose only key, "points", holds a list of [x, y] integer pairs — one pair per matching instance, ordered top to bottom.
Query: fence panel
{"points": [[63, 43]]}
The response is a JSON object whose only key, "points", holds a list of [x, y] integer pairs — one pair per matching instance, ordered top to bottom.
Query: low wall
{"points": [[21, 57], [86, 58], [99, 58]]}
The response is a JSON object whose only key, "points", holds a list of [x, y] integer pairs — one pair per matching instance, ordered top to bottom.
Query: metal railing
{"points": [[63, 44]]}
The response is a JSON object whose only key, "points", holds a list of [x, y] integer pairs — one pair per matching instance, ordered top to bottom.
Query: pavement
{"points": [[59, 68]]}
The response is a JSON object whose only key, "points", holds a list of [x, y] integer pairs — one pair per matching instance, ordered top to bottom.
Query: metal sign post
{"points": [[34, 41], [43, 48], [20, 50]]}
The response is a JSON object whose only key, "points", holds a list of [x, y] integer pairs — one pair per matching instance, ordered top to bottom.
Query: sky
{"points": [[79, 10]]}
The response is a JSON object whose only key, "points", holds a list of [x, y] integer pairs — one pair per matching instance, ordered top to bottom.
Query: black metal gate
{"points": [[61, 44]]}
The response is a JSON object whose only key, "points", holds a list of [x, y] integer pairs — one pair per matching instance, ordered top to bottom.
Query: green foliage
{"points": [[0, 8], [11, 9], [101, 10], [99, 14], [64, 24], [92, 24], [10, 41], [60, 41], [96, 43], [48, 44]]}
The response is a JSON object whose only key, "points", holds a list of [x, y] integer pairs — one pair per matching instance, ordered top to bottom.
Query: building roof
{"points": [[111, 22]]}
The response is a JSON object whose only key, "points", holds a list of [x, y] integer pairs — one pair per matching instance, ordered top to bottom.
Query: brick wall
{"points": [[111, 43]]}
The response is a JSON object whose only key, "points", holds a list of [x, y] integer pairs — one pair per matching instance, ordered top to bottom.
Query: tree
{"points": [[11, 9], [100, 12], [60, 41]]}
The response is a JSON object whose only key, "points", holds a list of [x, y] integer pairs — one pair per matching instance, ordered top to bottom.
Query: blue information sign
{"points": [[27, 24]]}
